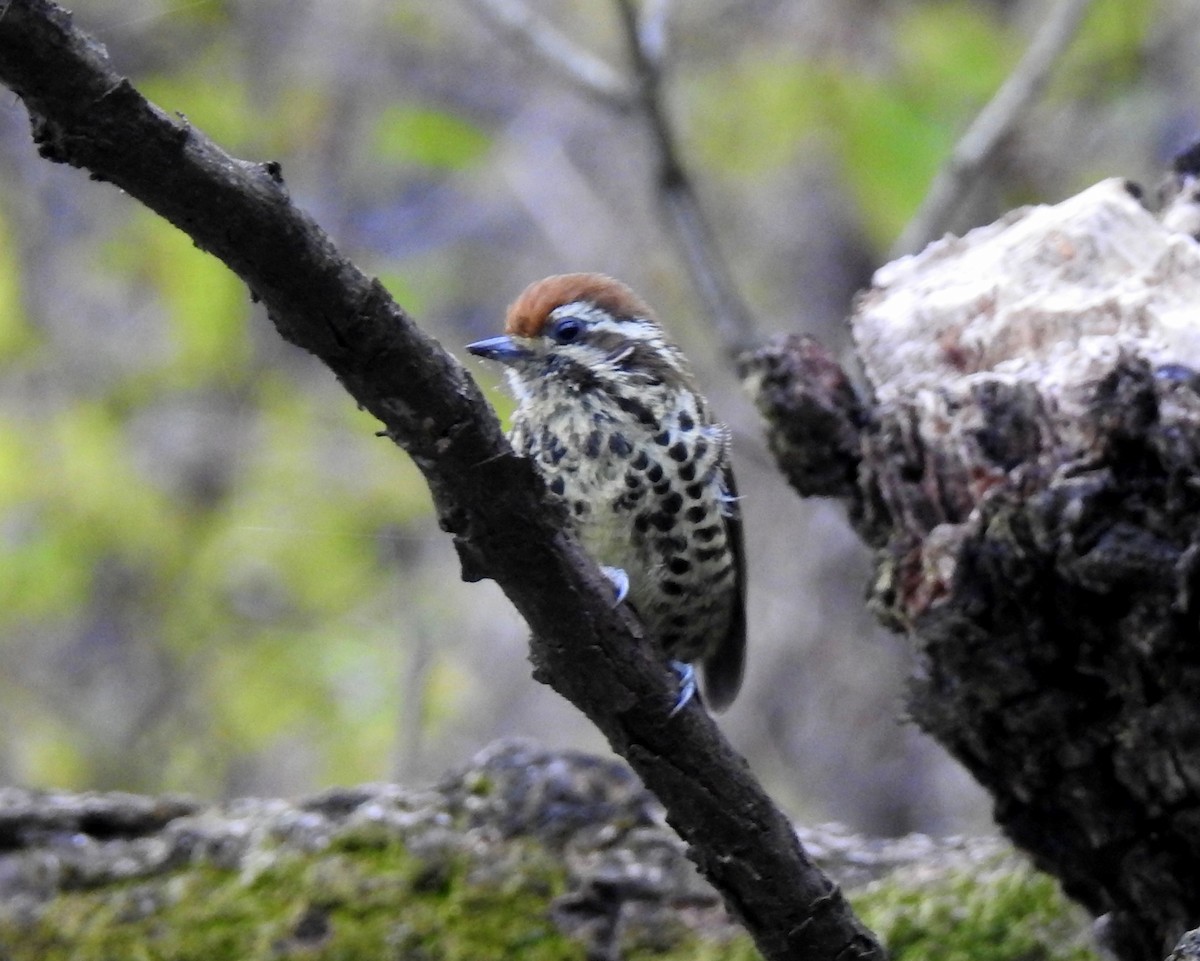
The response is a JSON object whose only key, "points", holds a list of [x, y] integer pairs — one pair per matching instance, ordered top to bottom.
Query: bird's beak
{"points": [[504, 349]]}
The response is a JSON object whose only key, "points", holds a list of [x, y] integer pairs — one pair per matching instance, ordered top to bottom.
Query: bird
{"points": [[609, 413]]}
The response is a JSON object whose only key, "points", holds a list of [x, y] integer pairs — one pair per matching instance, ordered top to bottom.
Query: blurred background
{"points": [[215, 579]]}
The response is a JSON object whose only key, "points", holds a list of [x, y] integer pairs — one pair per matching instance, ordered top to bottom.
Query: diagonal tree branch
{"points": [[85, 114]]}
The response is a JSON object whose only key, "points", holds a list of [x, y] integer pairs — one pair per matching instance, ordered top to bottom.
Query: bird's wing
{"points": [[724, 668]]}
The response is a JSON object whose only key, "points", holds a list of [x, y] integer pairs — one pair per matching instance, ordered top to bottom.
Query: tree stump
{"points": [[1024, 456]]}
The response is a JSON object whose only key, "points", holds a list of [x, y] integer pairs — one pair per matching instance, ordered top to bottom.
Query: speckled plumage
{"points": [[608, 411]]}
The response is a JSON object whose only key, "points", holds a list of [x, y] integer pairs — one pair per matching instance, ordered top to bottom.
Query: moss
{"points": [[354, 877], [368, 899], [361, 900], [380, 903], [1006, 911]]}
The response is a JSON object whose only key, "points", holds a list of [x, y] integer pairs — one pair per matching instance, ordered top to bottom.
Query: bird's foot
{"points": [[619, 580], [687, 685]]}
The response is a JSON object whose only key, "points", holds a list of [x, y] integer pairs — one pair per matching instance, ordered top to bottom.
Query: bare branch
{"points": [[647, 41], [564, 56], [85, 114], [973, 153], [709, 271]]}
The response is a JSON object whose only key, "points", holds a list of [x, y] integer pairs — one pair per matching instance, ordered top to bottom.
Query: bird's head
{"points": [[579, 331]]}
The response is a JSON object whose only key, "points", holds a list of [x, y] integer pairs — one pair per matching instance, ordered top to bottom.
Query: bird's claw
{"points": [[619, 580], [685, 672], [687, 685]]}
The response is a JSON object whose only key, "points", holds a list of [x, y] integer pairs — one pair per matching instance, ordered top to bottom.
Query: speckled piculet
{"points": [[609, 412]]}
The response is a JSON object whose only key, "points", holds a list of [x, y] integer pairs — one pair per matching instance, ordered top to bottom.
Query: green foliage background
{"points": [[216, 579]]}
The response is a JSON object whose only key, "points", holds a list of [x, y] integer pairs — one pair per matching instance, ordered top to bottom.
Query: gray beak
{"points": [[503, 348]]}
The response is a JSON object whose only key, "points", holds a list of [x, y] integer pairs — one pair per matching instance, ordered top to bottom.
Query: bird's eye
{"points": [[566, 330]]}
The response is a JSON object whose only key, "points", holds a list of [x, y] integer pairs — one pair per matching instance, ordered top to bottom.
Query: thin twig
{"points": [[515, 20], [653, 32], [647, 42], [977, 147], [709, 271]]}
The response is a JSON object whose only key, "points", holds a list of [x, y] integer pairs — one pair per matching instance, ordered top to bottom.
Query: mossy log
{"points": [[523, 853]]}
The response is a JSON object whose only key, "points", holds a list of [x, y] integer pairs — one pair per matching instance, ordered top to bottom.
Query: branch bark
{"points": [[87, 115]]}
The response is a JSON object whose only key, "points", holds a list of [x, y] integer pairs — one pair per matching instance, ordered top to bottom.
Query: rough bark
{"points": [[85, 114], [1025, 463]]}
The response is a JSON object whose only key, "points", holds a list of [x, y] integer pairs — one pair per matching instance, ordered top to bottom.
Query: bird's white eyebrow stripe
{"points": [[581, 309], [601, 319], [631, 330]]}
